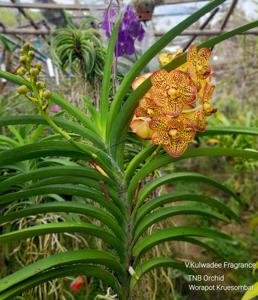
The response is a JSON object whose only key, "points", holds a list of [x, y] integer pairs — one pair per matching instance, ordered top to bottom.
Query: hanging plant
{"points": [[144, 9], [79, 50]]}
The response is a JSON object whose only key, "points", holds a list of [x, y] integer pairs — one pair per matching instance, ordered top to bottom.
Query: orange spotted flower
{"points": [[167, 57], [198, 64], [173, 91], [178, 102], [206, 109], [143, 114], [173, 133]]}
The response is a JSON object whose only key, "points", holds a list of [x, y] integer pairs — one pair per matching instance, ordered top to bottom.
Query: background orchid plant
{"points": [[108, 184]]}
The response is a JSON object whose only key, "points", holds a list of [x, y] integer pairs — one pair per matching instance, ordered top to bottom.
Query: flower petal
{"points": [[192, 57], [198, 63], [158, 78], [139, 80], [207, 93], [159, 96], [174, 108], [160, 123], [141, 127], [160, 138], [176, 148]]}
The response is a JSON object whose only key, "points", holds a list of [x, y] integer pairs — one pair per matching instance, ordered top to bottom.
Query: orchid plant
{"points": [[129, 31], [105, 182]]}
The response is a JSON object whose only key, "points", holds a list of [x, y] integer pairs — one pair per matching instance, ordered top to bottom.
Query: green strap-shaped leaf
{"points": [[151, 52], [105, 86], [65, 104], [90, 107], [123, 118], [65, 124], [215, 130], [227, 130], [9, 141], [58, 148], [197, 152], [137, 160], [48, 172], [181, 176], [62, 189], [110, 194], [174, 197], [68, 207], [166, 212], [63, 227], [175, 233], [204, 244], [95, 257], [158, 262], [58, 272], [252, 293]]}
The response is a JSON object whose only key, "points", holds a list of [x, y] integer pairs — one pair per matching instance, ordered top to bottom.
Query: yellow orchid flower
{"points": [[167, 57]]}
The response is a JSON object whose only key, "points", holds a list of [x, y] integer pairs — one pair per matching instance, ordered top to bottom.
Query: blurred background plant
{"points": [[80, 52]]}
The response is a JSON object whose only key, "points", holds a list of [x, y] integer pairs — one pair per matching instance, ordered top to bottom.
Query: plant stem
{"points": [[64, 134]]}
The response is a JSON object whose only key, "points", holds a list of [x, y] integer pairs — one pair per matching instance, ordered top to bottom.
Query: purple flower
{"points": [[130, 30], [55, 108]]}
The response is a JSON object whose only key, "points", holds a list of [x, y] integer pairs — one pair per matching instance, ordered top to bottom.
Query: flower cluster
{"points": [[130, 30], [30, 72], [178, 102]]}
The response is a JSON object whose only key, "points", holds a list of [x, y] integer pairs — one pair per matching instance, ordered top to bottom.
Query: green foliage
{"points": [[79, 49], [114, 199]]}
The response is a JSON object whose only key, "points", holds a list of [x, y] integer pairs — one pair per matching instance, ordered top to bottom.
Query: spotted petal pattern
{"points": [[198, 63], [173, 90], [178, 103], [148, 108], [174, 134]]}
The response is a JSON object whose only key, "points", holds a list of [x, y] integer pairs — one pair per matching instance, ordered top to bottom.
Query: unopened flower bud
{"points": [[26, 47], [31, 54], [23, 59], [38, 66], [21, 71], [34, 72], [40, 85], [22, 89], [46, 94], [209, 109]]}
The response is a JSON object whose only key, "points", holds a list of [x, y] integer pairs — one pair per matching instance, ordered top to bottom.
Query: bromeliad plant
{"points": [[112, 189]]}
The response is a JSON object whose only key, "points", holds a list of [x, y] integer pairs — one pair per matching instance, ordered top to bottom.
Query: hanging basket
{"points": [[144, 11]]}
